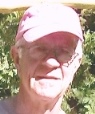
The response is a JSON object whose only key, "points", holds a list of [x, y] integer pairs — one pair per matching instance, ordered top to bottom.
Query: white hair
{"points": [[19, 45]]}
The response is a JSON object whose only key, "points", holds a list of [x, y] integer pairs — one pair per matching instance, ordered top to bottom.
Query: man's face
{"points": [[44, 67]]}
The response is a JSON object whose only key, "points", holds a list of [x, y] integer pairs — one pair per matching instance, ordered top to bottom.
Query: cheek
{"points": [[27, 67], [70, 71], [68, 75]]}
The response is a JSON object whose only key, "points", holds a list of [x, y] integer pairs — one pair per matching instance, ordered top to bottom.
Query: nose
{"points": [[53, 62]]}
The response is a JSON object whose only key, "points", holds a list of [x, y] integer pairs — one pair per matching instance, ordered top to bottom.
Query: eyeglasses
{"points": [[62, 55]]}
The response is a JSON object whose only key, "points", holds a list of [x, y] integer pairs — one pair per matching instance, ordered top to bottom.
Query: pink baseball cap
{"points": [[44, 19]]}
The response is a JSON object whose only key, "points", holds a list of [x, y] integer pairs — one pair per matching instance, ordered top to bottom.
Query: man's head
{"points": [[48, 49]]}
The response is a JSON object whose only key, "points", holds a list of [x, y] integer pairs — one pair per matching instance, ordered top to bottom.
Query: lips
{"points": [[46, 77]]}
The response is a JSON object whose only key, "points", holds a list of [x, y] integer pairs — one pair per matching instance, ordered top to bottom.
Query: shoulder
{"points": [[6, 106], [3, 107]]}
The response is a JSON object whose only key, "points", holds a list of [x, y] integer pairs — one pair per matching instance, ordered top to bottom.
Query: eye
{"points": [[41, 49], [38, 52], [63, 55], [73, 58]]}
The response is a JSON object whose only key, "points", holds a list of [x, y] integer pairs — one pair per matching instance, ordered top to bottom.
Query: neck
{"points": [[33, 104]]}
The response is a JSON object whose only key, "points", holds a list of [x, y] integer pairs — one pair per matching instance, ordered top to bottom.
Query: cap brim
{"points": [[43, 30]]}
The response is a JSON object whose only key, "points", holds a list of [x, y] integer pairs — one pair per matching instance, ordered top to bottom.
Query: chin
{"points": [[47, 89], [47, 93], [47, 96]]}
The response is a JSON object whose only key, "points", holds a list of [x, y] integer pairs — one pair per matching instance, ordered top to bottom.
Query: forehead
{"points": [[57, 39]]}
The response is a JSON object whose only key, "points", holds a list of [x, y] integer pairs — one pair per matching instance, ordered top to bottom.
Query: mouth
{"points": [[46, 77]]}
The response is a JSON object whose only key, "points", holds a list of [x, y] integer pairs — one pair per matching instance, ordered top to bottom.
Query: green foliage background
{"points": [[80, 98]]}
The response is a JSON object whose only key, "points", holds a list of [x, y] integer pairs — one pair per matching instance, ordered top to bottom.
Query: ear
{"points": [[15, 56]]}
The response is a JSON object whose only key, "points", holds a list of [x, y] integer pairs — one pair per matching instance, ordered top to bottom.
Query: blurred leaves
{"points": [[8, 79]]}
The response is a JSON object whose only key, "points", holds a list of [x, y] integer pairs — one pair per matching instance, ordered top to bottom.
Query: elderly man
{"points": [[47, 53]]}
